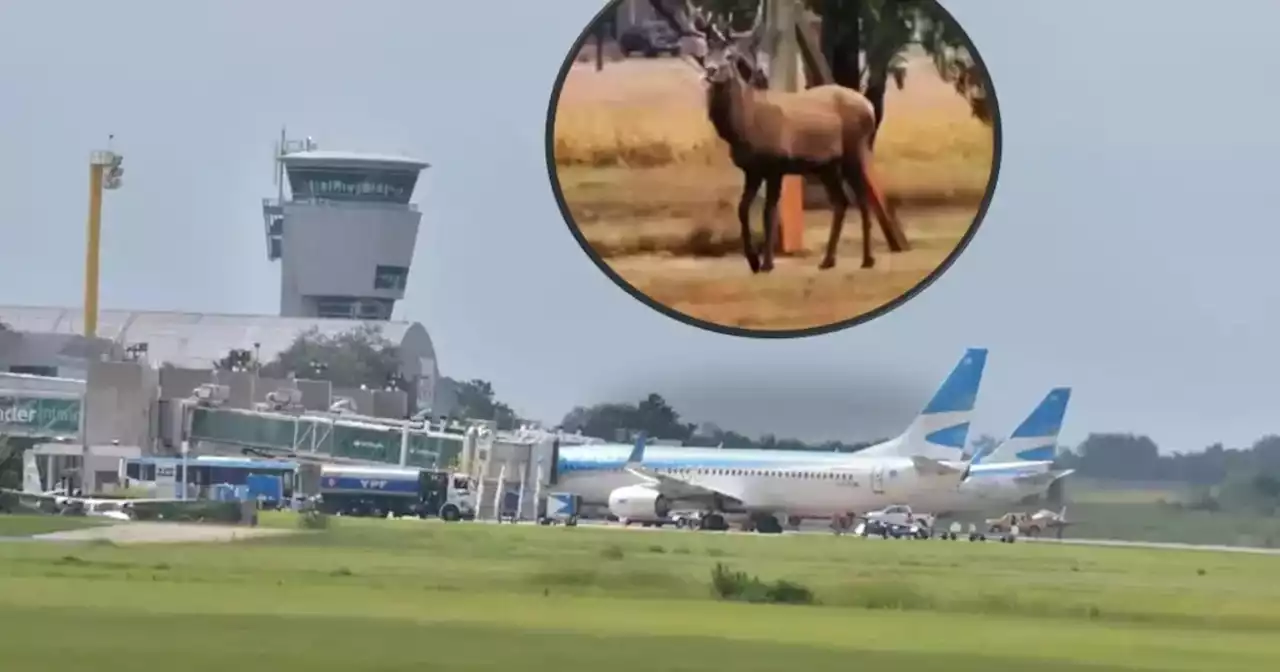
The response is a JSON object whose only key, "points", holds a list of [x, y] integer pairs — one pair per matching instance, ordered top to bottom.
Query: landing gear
{"points": [[713, 522], [763, 523], [793, 523], [840, 524]]}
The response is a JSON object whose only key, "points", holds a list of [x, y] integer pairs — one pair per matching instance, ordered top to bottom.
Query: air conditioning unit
{"points": [[211, 395], [285, 397]]}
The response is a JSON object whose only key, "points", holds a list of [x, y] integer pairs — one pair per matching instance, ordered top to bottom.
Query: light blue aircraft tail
{"points": [[941, 430], [1036, 439], [637, 451]]}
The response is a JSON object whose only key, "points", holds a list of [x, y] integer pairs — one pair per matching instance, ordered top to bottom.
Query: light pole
{"points": [[104, 173]]}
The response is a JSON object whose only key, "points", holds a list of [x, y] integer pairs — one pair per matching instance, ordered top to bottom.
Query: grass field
{"points": [[651, 189], [17, 525], [381, 595]]}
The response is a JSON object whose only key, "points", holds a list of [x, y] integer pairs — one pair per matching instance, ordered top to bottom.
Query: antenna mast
{"points": [[278, 168]]}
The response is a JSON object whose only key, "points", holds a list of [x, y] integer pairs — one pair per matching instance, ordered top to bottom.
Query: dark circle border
{"points": [[997, 142]]}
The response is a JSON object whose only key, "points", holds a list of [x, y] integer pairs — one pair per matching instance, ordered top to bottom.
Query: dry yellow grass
{"points": [[650, 113], [650, 187], [710, 281]]}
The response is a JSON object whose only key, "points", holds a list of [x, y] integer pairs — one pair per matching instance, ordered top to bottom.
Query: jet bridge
{"points": [[327, 436]]}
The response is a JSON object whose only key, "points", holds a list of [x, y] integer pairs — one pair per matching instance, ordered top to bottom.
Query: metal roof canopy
{"points": [[353, 160]]}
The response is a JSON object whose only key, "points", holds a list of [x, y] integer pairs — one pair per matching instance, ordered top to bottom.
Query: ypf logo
{"points": [[373, 485]]}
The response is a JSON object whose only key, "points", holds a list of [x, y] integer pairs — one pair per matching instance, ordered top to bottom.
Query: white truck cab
{"points": [[901, 514]]}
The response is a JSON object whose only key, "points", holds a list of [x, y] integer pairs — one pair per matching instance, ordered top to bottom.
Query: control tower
{"points": [[345, 233]]}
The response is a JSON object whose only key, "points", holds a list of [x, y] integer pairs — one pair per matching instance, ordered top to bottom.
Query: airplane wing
{"points": [[931, 467], [1043, 478], [674, 487], [34, 500]]}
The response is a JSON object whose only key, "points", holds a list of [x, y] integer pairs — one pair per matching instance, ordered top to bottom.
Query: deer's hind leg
{"points": [[853, 175], [865, 176], [834, 183], [750, 187], [772, 194]]}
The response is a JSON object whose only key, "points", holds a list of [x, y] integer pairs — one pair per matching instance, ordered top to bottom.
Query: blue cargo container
{"points": [[265, 488]]}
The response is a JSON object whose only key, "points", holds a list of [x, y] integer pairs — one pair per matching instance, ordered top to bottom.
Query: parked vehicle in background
{"points": [[651, 38], [352, 490]]}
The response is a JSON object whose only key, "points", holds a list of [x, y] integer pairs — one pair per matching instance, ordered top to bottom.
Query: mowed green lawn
{"points": [[22, 525], [407, 595]]}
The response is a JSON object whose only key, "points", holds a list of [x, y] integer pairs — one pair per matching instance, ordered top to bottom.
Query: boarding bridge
{"points": [[328, 436], [518, 465]]}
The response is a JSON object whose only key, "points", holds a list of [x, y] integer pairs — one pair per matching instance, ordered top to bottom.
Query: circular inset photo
{"points": [[865, 132]]}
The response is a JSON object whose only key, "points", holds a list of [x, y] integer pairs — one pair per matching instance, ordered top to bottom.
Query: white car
{"points": [[901, 514]]}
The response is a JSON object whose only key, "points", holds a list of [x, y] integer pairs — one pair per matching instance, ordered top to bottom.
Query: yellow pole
{"points": [[91, 250]]}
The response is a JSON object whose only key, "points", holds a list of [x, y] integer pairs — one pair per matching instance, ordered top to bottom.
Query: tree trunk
{"points": [[841, 41], [842, 47], [876, 88]]}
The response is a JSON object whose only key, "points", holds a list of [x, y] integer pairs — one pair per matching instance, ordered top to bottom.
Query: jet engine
{"points": [[639, 503]]}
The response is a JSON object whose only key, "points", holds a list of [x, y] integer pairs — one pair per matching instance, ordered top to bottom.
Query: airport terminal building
{"points": [[343, 230]]}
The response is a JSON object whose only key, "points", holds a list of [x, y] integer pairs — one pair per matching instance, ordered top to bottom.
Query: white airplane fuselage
{"points": [[988, 486], [798, 489]]}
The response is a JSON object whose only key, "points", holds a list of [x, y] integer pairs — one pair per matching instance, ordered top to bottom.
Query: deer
{"points": [[825, 131]]}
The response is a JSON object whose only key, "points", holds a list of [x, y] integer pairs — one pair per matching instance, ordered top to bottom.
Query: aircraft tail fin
{"points": [[941, 430], [1036, 438], [637, 451], [31, 483]]}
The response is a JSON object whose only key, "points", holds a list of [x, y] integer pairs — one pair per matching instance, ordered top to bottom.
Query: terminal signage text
{"points": [[39, 416]]}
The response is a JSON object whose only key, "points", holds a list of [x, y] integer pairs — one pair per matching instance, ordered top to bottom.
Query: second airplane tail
{"points": [[1036, 439]]}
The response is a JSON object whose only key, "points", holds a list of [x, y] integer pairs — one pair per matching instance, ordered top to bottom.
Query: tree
{"points": [[883, 31], [362, 356], [476, 400], [651, 415], [657, 419], [10, 458]]}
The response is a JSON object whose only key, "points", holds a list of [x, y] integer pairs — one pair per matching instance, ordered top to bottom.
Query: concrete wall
{"points": [[176, 383], [317, 395], [120, 403]]}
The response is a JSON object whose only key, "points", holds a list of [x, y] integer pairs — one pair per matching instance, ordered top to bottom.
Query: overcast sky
{"points": [[1130, 251]]}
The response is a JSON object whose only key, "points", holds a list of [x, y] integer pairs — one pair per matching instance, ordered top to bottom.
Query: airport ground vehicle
{"points": [[651, 38], [352, 490], [560, 508], [901, 514], [1030, 524], [890, 530]]}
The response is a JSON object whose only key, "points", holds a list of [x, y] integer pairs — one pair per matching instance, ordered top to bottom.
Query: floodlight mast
{"points": [[105, 172]]}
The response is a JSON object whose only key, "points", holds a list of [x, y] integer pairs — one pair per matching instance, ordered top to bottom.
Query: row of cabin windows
{"points": [[818, 475]]}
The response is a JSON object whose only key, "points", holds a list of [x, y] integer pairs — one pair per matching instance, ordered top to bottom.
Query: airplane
{"points": [[1016, 469], [594, 472], [759, 493], [35, 498]]}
